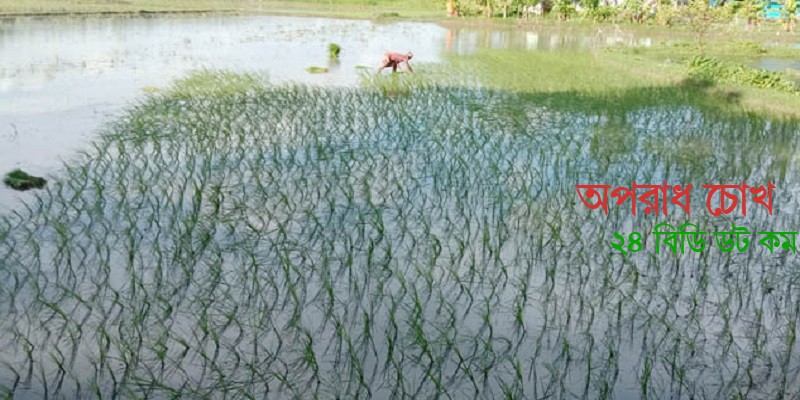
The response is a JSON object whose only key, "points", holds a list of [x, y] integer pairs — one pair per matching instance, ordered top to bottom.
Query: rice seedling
{"points": [[334, 50], [318, 70], [20, 180], [413, 237]]}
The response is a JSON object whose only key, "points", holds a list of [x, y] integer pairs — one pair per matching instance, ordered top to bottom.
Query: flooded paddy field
{"points": [[61, 78], [247, 234]]}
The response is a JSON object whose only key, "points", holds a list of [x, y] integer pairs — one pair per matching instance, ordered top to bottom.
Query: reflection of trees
{"points": [[448, 40], [467, 41]]}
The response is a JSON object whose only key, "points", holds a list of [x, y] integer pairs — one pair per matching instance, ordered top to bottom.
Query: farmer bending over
{"points": [[393, 60]]}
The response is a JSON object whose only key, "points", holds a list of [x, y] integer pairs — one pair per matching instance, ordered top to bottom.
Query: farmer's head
{"points": [[410, 55]]}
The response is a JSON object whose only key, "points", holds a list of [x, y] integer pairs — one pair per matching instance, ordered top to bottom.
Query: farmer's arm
{"points": [[384, 63], [408, 64]]}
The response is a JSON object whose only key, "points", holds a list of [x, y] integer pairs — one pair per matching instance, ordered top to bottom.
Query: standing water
{"points": [[60, 78], [330, 241]]}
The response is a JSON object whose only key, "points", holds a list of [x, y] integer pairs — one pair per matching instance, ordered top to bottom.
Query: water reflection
{"points": [[464, 41], [778, 65]]}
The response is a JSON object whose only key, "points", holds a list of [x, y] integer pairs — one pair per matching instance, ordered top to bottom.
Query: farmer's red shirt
{"points": [[397, 57]]}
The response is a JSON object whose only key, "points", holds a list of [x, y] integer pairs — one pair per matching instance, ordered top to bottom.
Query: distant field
{"points": [[356, 8]]}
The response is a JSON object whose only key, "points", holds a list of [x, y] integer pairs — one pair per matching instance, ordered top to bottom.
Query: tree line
{"points": [[663, 12]]}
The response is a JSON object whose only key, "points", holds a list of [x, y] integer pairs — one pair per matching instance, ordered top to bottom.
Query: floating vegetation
{"points": [[334, 50], [318, 70], [737, 74], [20, 180], [302, 242]]}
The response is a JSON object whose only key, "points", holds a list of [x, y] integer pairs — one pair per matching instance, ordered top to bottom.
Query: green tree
{"points": [[590, 4], [506, 5], [488, 7], [790, 7], [452, 9], [563, 9], [633, 10], [750, 10], [667, 13], [701, 17]]}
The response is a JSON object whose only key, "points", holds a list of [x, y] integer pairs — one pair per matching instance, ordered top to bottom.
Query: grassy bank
{"points": [[338, 8], [726, 69], [610, 70]]}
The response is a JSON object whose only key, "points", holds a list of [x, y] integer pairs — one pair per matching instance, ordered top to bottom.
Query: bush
{"points": [[589, 4], [564, 9], [750, 10], [602, 13], [667, 14], [701, 16], [713, 69]]}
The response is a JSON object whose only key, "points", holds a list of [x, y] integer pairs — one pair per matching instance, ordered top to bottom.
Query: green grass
{"points": [[336, 8], [724, 48], [725, 65], [616, 69], [713, 69], [563, 71], [212, 84], [20, 180]]}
